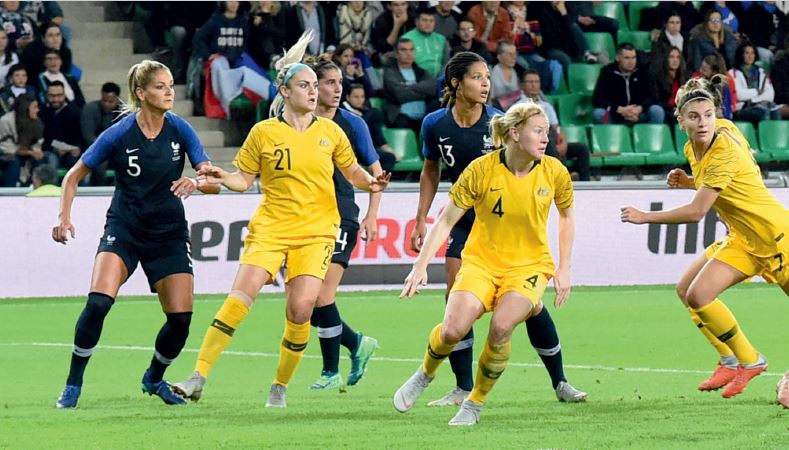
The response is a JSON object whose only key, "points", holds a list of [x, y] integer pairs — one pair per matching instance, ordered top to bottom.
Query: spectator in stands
{"points": [[42, 13], [729, 13], [583, 14], [302, 17], [447, 18], [654, 18], [183, 19], [356, 22], [492, 23], [765, 25], [389, 27], [20, 28], [266, 32], [224, 33], [708, 37], [562, 38], [667, 38], [50, 39], [528, 39], [465, 40], [431, 49], [8, 58], [713, 65], [352, 70], [53, 73], [667, 76], [780, 76], [504, 81], [16, 85], [408, 89], [622, 92], [755, 94], [356, 102], [97, 116], [62, 132], [21, 136], [557, 146], [45, 180]]}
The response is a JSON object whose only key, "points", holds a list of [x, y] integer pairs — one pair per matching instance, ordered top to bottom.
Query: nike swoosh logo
{"points": [[442, 139], [277, 145], [132, 150], [495, 189], [336, 253], [405, 403]]}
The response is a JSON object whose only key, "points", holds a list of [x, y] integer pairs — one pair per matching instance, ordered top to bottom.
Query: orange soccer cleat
{"points": [[721, 377], [740, 381], [782, 391]]}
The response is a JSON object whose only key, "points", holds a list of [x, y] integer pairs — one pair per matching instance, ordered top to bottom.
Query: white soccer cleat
{"points": [[191, 388], [782, 391], [409, 392], [565, 392], [276, 397], [453, 398], [468, 415]]}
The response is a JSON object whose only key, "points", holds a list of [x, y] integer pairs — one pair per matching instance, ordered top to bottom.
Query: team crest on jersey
{"points": [[324, 143], [487, 144], [176, 146], [543, 192], [110, 239]]}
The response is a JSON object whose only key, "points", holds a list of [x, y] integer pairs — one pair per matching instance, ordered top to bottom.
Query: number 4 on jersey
{"points": [[497, 209]]}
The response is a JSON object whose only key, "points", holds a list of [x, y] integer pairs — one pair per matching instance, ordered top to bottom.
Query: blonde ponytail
{"points": [[286, 67]]}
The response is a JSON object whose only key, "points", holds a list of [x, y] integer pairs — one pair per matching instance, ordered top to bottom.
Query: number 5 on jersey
{"points": [[134, 168]]}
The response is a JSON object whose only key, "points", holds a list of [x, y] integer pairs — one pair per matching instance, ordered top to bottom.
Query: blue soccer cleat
{"points": [[360, 359], [162, 390], [69, 397]]}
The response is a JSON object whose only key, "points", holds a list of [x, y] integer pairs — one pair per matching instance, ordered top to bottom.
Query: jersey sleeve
{"points": [[363, 142], [104, 145], [429, 146], [194, 148], [343, 153], [248, 158], [721, 168], [467, 190], [563, 194]]}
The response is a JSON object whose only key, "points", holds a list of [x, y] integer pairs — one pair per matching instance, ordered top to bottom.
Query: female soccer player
{"points": [[458, 134], [294, 152], [727, 179], [145, 223], [506, 263], [332, 330]]}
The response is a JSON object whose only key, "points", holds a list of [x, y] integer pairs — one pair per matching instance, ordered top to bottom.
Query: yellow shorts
{"points": [[310, 259], [773, 268], [488, 287]]}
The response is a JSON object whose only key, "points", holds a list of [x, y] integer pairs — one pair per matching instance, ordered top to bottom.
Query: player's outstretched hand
{"points": [[210, 175], [677, 178], [379, 183], [183, 187], [629, 214], [369, 228], [62, 230], [418, 235], [413, 282], [561, 282]]}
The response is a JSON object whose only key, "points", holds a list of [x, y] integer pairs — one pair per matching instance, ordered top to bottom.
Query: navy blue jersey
{"points": [[443, 138], [361, 142], [144, 171]]}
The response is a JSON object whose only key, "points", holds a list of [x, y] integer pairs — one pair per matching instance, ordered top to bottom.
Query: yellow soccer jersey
{"points": [[729, 125], [298, 205], [512, 213], [757, 221]]}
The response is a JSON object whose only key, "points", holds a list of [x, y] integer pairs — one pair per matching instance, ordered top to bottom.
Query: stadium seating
{"points": [[614, 10], [634, 12], [640, 39], [601, 43], [764, 65], [582, 78], [377, 103], [574, 109], [747, 129], [577, 133], [774, 139], [655, 140], [403, 141], [614, 144]]}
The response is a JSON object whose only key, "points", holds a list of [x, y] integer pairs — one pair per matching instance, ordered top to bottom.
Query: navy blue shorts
{"points": [[347, 235], [457, 240], [160, 256]]}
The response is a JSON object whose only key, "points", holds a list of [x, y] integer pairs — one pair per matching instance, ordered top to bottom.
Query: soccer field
{"points": [[633, 349]]}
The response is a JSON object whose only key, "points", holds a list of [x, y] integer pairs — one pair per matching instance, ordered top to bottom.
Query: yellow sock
{"points": [[721, 323], [220, 332], [722, 348], [291, 350], [437, 352], [492, 363]]}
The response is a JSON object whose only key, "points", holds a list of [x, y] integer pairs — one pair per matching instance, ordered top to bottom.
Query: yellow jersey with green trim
{"points": [[298, 205], [757, 221], [509, 231]]}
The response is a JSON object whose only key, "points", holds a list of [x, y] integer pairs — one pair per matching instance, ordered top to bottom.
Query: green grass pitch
{"points": [[633, 349]]}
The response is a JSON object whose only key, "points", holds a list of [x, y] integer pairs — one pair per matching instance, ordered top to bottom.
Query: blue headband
{"points": [[292, 71]]}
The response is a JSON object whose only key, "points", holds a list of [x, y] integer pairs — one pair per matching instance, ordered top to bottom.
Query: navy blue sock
{"points": [[329, 331], [87, 333], [349, 338], [545, 340], [169, 343], [461, 358]]}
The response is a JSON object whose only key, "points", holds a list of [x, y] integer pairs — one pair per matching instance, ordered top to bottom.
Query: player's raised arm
{"points": [[238, 181]]}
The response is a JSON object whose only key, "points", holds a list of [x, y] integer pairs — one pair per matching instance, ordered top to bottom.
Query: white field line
{"points": [[381, 358]]}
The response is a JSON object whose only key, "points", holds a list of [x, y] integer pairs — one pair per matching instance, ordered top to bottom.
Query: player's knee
{"points": [[682, 293], [696, 298], [98, 305], [298, 315], [179, 325], [499, 333], [452, 334]]}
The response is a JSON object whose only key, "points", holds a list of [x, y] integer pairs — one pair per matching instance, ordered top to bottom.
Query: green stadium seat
{"points": [[614, 10], [634, 12], [640, 39], [601, 42], [764, 65], [582, 78], [562, 87], [377, 103], [574, 109], [261, 111], [747, 129], [579, 134], [774, 139], [655, 141], [403, 142], [614, 144]]}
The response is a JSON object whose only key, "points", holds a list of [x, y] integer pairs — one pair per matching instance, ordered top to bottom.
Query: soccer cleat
{"points": [[359, 360], [743, 376], [721, 377], [327, 380], [191, 388], [162, 390], [410, 391], [782, 391], [565, 392], [276, 396], [69, 397], [453, 398], [468, 414]]}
